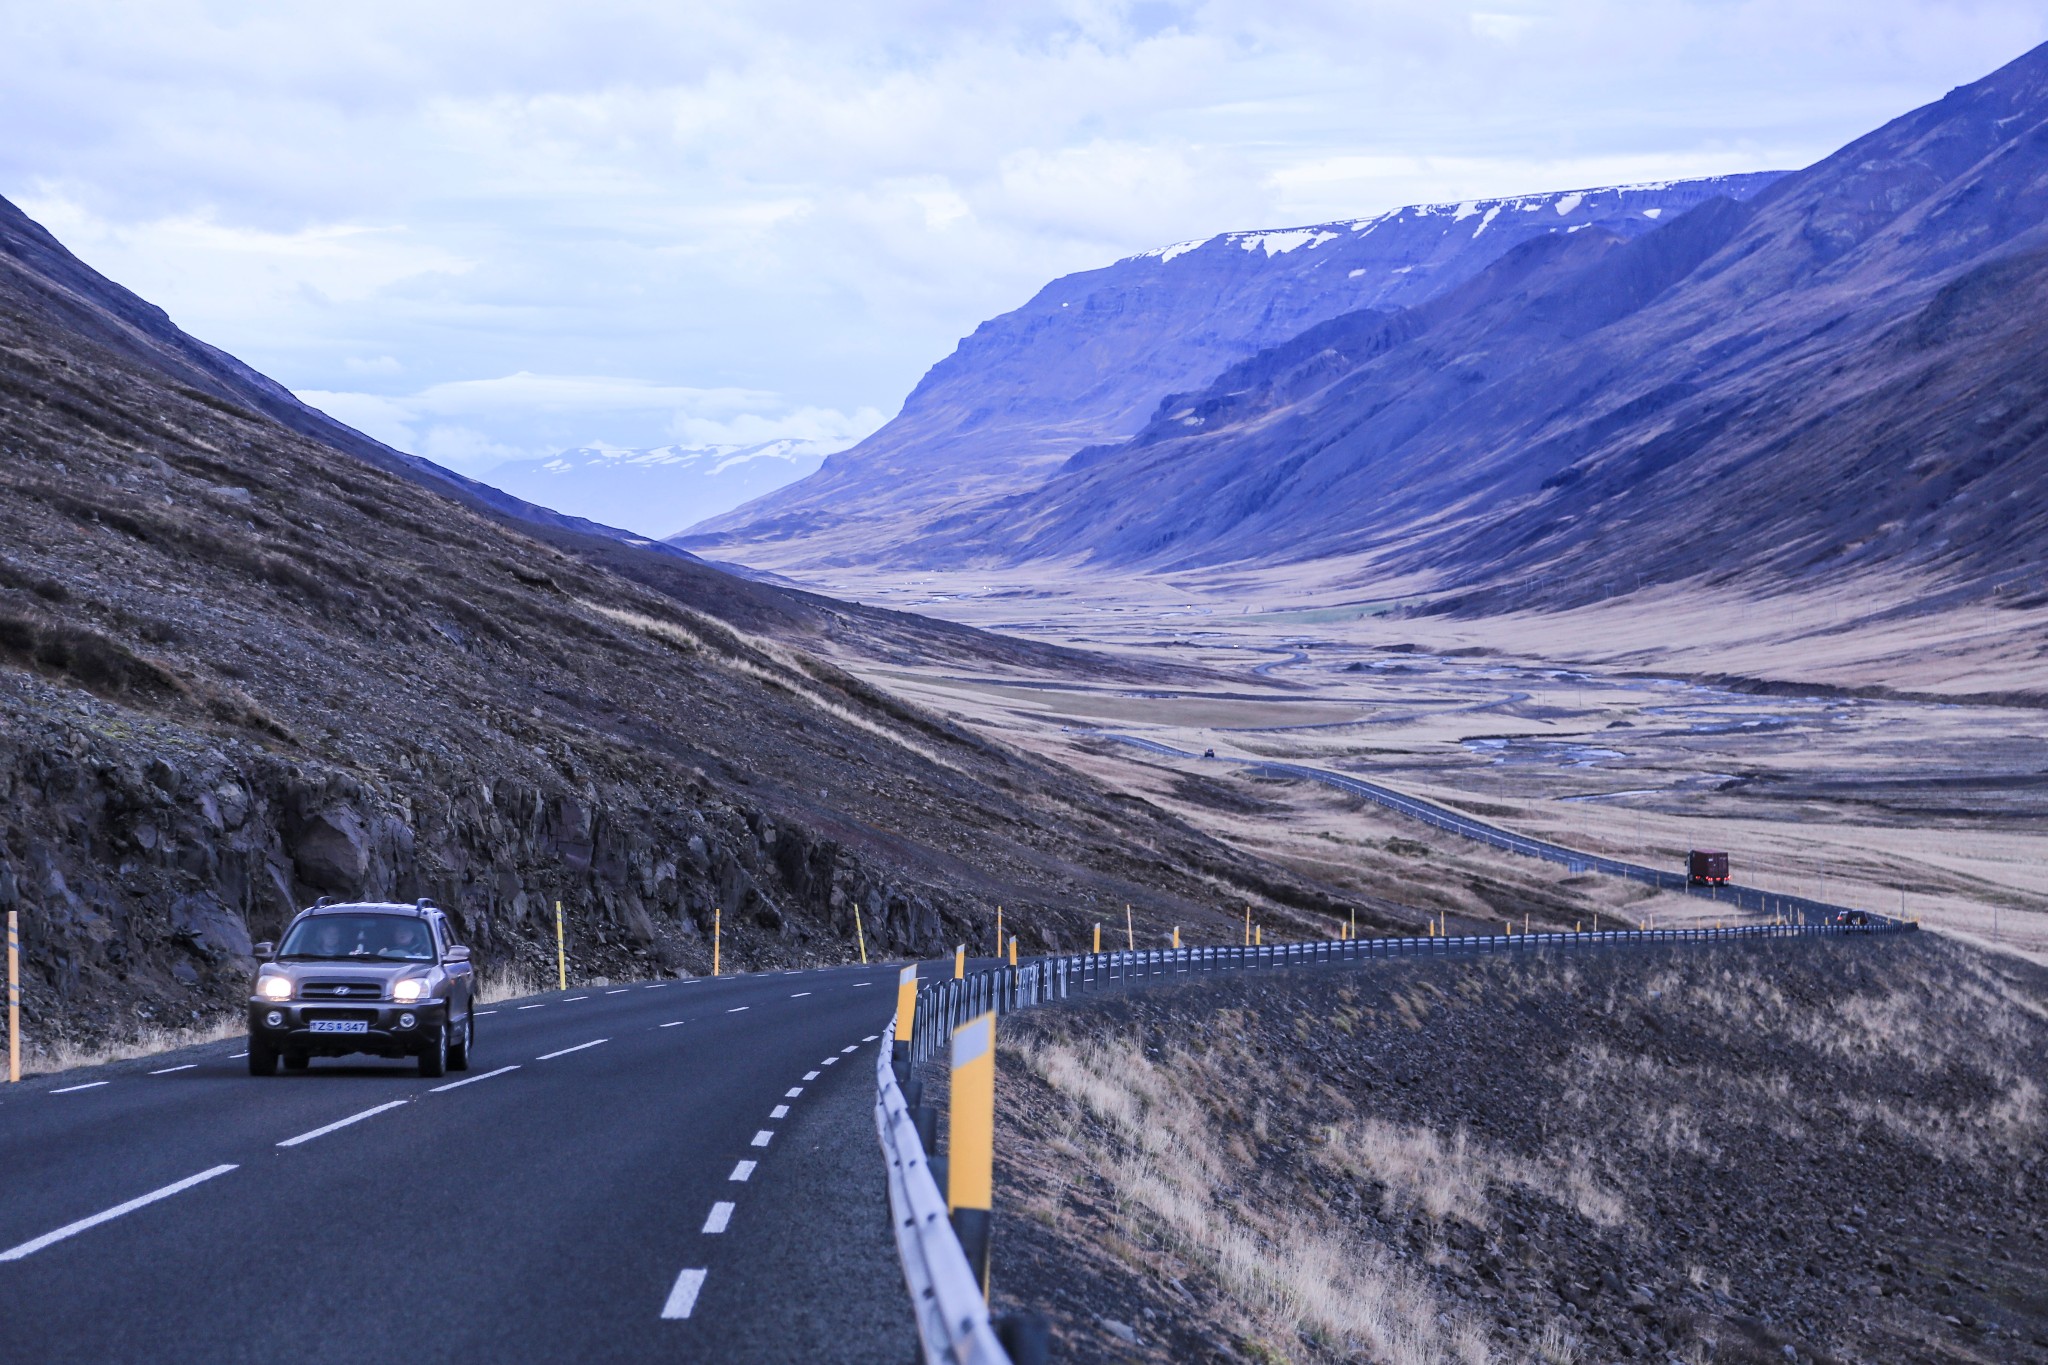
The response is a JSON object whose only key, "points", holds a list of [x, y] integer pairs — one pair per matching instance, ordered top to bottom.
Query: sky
{"points": [[490, 231]]}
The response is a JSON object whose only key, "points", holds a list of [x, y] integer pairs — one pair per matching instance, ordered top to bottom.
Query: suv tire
{"points": [[458, 1051], [434, 1052], [262, 1059], [297, 1061]]}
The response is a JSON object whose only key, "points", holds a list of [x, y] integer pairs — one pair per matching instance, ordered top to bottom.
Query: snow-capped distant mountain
{"points": [[1088, 359], [659, 491]]}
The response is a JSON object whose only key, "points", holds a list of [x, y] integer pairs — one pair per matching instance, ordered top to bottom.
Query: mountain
{"points": [[1090, 356], [1845, 373], [661, 490], [247, 658]]}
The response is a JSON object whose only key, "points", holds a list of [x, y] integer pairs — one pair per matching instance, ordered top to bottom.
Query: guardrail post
{"points": [[970, 1141]]}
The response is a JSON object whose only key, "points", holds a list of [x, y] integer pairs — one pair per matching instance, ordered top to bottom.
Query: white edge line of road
{"points": [[550, 1056], [472, 1080], [72, 1089], [341, 1123], [742, 1171], [721, 1214], [29, 1248], [683, 1297]]}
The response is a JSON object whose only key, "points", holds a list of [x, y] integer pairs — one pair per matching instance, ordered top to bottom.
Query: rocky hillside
{"points": [[1089, 358], [1844, 374], [242, 666], [1825, 1151]]}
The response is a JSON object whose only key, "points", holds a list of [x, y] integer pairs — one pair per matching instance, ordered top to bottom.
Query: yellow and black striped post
{"points": [[970, 1140]]}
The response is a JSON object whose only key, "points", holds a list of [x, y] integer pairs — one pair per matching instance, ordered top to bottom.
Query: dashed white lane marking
{"points": [[858, 984], [657, 985], [620, 991], [799, 995], [571, 999], [541, 1006], [737, 1008], [481, 1013], [673, 1023], [871, 1037], [854, 1048], [233, 1055], [550, 1056], [828, 1061], [169, 1069], [812, 1075], [471, 1080], [89, 1085], [792, 1092], [780, 1111], [341, 1123], [762, 1138], [742, 1171], [721, 1214], [33, 1245], [683, 1297]]}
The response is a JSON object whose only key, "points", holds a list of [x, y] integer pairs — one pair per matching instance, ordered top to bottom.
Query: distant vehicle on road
{"points": [[1208, 753], [1706, 868], [1852, 917], [388, 980]]}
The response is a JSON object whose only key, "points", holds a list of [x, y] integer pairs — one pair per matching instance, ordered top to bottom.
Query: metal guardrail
{"points": [[1736, 897], [943, 1006], [953, 1326]]}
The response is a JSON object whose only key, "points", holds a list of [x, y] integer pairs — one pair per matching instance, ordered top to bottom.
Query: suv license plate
{"points": [[340, 1026]]}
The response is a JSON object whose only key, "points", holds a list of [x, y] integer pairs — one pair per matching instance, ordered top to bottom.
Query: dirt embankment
{"points": [[1817, 1151]]}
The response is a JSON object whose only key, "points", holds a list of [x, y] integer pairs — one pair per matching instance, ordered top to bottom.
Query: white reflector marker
{"points": [[340, 1123], [721, 1214], [30, 1248], [683, 1297]]}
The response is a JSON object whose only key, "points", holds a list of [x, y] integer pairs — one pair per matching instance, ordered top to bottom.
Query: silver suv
{"points": [[389, 980]]}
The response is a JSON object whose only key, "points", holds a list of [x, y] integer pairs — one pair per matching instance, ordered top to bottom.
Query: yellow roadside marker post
{"points": [[1354, 925], [1247, 926], [999, 931], [1130, 934], [717, 935], [1098, 936], [1259, 936], [860, 937], [1176, 938], [1013, 950], [561, 952], [960, 962], [13, 996], [906, 1021], [970, 1140]]}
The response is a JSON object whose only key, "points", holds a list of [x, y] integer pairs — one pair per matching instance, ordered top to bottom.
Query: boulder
{"points": [[331, 851]]}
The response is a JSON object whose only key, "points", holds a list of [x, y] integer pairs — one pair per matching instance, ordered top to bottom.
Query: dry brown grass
{"points": [[65, 1054], [1165, 1156]]}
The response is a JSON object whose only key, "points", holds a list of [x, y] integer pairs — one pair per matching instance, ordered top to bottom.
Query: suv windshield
{"points": [[359, 938]]}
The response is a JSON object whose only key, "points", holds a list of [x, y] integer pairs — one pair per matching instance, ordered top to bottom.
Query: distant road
{"points": [[1736, 897], [677, 1171]]}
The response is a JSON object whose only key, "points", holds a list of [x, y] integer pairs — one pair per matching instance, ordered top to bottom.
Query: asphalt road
{"points": [[677, 1171]]}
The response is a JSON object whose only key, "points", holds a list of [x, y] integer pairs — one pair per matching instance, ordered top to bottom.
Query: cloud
{"points": [[455, 219]]}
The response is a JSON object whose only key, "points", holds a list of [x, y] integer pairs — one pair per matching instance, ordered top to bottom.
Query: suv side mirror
{"points": [[264, 950], [458, 953]]}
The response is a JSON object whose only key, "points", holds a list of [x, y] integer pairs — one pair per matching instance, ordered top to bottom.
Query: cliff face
{"points": [[1091, 355], [241, 667]]}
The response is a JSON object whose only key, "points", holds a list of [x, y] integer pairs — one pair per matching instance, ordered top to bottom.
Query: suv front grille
{"points": [[341, 990]]}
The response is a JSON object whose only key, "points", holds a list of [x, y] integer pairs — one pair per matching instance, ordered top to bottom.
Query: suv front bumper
{"points": [[287, 1026]]}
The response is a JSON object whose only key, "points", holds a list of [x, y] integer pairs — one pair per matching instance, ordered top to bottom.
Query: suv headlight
{"points": [[274, 987], [412, 988]]}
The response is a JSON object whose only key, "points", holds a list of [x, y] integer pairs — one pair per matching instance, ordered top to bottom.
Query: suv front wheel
{"points": [[434, 1051], [458, 1051]]}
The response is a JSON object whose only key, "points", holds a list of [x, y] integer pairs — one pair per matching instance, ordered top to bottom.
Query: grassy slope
{"points": [[1713, 1155]]}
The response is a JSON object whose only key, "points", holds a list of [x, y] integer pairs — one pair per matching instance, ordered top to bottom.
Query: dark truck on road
{"points": [[1705, 868]]}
